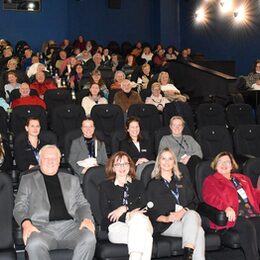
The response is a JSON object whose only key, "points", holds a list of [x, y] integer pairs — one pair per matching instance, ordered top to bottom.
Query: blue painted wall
{"points": [[146, 20], [35, 27], [221, 39]]}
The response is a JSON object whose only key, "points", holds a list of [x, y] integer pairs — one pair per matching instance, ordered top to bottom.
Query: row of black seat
{"points": [[163, 246]]}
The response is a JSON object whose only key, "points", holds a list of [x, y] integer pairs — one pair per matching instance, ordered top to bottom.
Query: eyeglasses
{"points": [[224, 162], [118, 165]]}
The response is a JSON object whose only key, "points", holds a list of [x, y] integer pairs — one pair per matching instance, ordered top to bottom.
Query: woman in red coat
{"points": [[235, 194]]}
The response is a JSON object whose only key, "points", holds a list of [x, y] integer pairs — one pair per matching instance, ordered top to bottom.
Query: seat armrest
{"points": [[216, 216]]}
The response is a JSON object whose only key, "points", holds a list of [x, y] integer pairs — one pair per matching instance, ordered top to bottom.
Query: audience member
{"points": [[80, 43], [137, 51], [171, 54], [147, 55], [184, 56], [106, 57], [159, 60], [60, 61], [26, 62], [129, 65], [145, 76], [76, 77], [96, 78], [118, 78], [253, 78], [12, 84], [41, 85], [169, 90], [126, 96], [25, 98], [94, 98], [156, 98], [136, 145], [185, 147], [87, 150], [26, 152], [234, 193], [121, 199], [174, 203], [53, 212]]}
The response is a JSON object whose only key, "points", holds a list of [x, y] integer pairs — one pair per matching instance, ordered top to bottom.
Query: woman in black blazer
{"points": [[138, 147], [121, 199], [174, 203]]}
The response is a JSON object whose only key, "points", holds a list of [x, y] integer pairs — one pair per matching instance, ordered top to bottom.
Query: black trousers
{"points": [[249, 233]]}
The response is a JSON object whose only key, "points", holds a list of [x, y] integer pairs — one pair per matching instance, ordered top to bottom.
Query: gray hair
{"points": [[50, 146]]}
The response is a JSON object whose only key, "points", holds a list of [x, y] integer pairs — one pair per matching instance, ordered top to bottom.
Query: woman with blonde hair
{"points": [[169, 90], [174, 202]]}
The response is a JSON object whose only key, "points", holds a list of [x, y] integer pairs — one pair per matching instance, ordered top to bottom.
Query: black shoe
{"points": [[188, 252]]}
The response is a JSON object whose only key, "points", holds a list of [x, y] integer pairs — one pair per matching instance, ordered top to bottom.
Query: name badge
{"points": [[143, 150], [242, 194]]}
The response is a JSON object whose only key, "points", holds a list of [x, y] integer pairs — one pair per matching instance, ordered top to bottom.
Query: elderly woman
{"points": [[118, 78], [253, 78], [169, 90], [94, 98], [156, 98], [187, 150], [234, 194], [121, 199], [174, 203]]}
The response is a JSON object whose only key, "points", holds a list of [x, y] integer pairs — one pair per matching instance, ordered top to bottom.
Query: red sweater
{"points": [[43, 87], [30, 100], [220, 193]]}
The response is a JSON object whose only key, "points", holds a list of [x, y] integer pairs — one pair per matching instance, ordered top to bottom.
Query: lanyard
{"points": [[239, 189], [175, 193], [126, 194]]}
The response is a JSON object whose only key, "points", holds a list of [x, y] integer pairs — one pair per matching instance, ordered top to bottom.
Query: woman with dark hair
{"points": [[129, 66], [96, 78], [253, 78], [75, 80], [94, 98], [136, 145], [26, 151], [234, 193], [121, 199], [174, 203]]}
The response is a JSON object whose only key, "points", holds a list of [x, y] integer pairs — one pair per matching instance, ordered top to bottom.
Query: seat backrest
{"points": [[80, 95], [57, 97], [182, 109], [20, 114], [210, 114], [239, 114], [148, 115], [66, 118], [108, 118], [116, 138], [213, 140], [247, 140], [251, 168], [147, 171], [202, 171], [91, 186], [6, 209]]}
